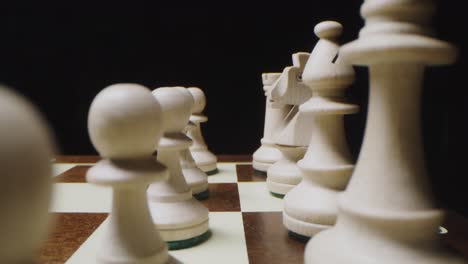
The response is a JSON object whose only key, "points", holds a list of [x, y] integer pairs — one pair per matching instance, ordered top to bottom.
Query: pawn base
{"points": [[266, 156], [204, 159], [261, 166], [209, 169], [212, 172], [196, 179], [277, 188], [202, 195], [277, 195], [302, 228], [184, 234], [299, 237], [191, 242]]}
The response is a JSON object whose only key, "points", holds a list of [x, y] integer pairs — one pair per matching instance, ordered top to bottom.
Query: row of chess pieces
{"points": [[126, 124], [380, 210]]}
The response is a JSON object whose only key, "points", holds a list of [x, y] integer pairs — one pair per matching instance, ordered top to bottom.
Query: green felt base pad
{"points": [[213, 172], [277, 195], [202, 196], [298, 237], [181, 244]]}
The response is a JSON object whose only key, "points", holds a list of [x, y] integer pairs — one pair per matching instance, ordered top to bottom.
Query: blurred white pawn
{"points": [[124, 124], [26, 148], [204, 159]]}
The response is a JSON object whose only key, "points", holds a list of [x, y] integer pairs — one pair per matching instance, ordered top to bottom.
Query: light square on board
{"points": [[59, 168], [76, 174], [226, 174], [255, 197], [81, 198], [226, 245]]}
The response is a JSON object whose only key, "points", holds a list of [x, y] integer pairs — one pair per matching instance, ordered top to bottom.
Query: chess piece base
{"points": [[265, 156], [204, 159], [261, 166], [283, 176], [196, 179], [278, 189], [202, 196], [310, 208], [178, 221], [302, 228], [185, 235], [174, 245], [322, 249]]}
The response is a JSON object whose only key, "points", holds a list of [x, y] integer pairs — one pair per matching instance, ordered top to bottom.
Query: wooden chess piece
{"points": [[275, 116], [124, 125], [293, 139], [26, 148], [204, 159], [195, 177], [311, 206], [387, 213], [181, 219]]}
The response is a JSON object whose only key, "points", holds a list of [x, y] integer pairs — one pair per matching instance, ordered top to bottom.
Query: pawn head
{"points": [[328, 30], [324, 69], [199, 100], [176, 105], [124, 122], [26, 148]]}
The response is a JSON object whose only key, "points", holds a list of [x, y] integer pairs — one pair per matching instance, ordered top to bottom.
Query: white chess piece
{"points": [[275, 116], [124, 125], [293, 139], [26, 148], [204, 159], [195, 177], [311, 206], [387, 213], [181, 220]]}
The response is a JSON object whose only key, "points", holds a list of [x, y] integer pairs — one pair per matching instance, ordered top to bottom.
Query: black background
{"points": [[60, 55]]}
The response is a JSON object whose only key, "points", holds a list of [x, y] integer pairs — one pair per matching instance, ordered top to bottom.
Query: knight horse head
{"points": [[289, 88]]}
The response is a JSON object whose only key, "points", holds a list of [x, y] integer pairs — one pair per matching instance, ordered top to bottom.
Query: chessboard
{"points": [[245, 220]]}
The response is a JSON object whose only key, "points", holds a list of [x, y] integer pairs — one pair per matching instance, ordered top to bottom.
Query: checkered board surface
{"points": [[245, 220]]}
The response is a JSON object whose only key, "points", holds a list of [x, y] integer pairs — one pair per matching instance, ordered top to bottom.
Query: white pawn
{"points": [[275, 115], [124, 124], [293, 138], [26, 148], [204, 159], [195, 177], [311, 206], [387, 213], [181, 219]]}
